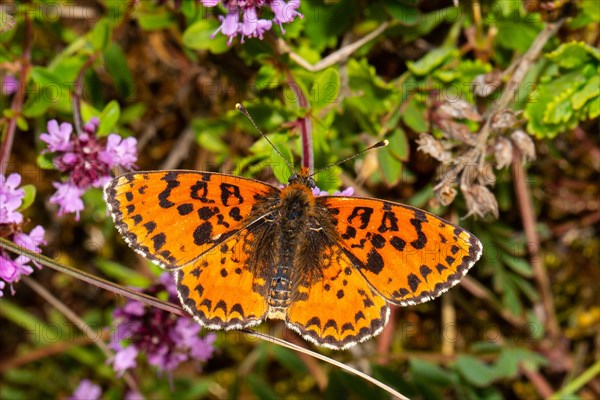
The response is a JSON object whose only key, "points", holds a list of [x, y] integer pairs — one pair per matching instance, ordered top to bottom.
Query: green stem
{"points": [[576, 384]]}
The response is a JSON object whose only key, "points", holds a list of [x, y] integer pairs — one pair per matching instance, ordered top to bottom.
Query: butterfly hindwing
{"points": [[173, 217], [408, 255], [220, 289], [340, 309]]}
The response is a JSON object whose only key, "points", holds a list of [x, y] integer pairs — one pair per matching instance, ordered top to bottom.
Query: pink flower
{"points": [[252, 25], [58, 137], [119, 151], [68, 198], [11, 199], [124, 359], [86, 391]]}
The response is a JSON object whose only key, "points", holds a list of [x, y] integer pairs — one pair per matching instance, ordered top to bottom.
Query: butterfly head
{"points": [[303, 177]]}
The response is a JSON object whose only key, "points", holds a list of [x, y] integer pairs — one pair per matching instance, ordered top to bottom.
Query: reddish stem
{"points": [[77, 95], [19, 98], [308, 156], [533, 241]]}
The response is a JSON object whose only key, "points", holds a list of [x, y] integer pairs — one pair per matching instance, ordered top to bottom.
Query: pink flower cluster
{"points": [[251, 25], [86, 159], [11, 199], [166, 341]]}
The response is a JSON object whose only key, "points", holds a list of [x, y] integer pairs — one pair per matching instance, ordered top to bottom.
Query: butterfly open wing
{"points": [[173, 217], [408, 255], [220, 289], [340, 309]]}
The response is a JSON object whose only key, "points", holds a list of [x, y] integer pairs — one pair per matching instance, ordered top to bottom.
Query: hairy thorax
{"points": [[296, 231]]}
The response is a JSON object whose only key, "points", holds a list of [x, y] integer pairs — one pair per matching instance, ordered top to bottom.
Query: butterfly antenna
{"points": [[243, 110], [377, 145]]}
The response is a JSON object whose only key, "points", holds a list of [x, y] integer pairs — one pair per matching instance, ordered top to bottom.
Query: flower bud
{"points": [[486, 84], [459, 109], [524, 143], [434, 148], [503, 152], [445, 193], [480, 201]]}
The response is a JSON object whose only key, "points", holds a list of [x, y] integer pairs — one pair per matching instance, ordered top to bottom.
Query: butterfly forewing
{"points": [[173, 217], [408, 255]]}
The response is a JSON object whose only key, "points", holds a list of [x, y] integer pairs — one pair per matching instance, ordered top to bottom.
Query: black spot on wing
{"points": [[172, 183], [230, 194], [185, 209], [206, 212], [234, 213], [362, 215], [389, 222], [150, 226], [203, 233], [350, 233], [159, 241], [378, 241], [398, 243], [374, 262], [440, 268], [425, 270], [413, 282], [237, 307], [358, 316], [314, 321]]}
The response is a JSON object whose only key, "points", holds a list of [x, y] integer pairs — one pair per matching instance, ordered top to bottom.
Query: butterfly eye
{"points": [[293, 178], [311, 183]]}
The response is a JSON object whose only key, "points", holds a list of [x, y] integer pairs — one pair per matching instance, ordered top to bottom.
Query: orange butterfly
{"points": [[243, 251]]}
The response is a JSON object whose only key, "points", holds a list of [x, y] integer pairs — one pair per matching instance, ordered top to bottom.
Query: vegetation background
{"points": [[507, 94]]}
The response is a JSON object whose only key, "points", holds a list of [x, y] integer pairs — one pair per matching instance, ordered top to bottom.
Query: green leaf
{"points": [[405, 12], [328, 21], [150, 22], [527, 33], [100, 35], [198, 37], [574, 54], [431, 61], [116, 65], [267, 77], [325, 88], [589, 91], [414, 117], [108, 118], [22, 123], [399, 146], [45, 161], [390, 166], [280, 168], [28, 198], [517, 264], [121, 273], [510, 297], [33, 326], [289, 359], [507, 365], [475, 371], [430, 372], [260, 388]]}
